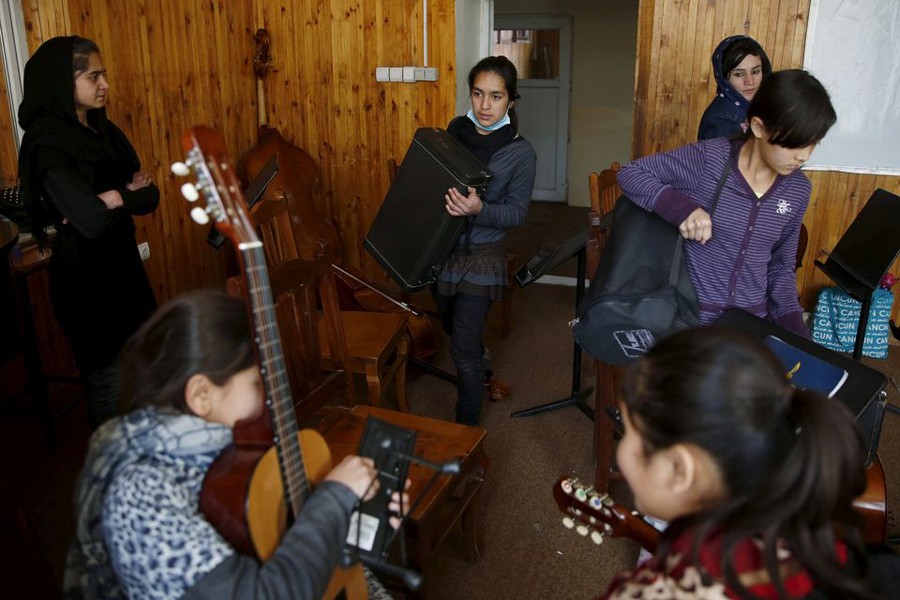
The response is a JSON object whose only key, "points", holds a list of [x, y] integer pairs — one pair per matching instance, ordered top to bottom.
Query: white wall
{"points": [[605, 44]]}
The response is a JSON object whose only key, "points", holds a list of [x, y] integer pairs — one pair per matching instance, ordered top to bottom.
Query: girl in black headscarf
{"points": [[81, 175]]}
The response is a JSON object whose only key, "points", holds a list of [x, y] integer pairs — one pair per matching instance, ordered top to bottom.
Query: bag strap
{"points": [[679, 243]]}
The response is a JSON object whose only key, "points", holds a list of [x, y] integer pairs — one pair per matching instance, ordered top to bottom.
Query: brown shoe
{"points": [[498, 390]]}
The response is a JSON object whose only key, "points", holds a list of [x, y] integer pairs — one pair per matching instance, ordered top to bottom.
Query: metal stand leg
{"points": [[863, 322], [432, 370], [577, 395]]}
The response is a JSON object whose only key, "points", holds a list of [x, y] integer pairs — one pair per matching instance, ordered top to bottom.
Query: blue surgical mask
{"points": [[501, 123]]}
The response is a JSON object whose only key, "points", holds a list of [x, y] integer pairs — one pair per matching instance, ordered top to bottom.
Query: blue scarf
{"points": [[148, 434]]}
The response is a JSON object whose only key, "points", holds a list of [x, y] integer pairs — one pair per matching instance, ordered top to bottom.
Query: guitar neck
{"points": [[274, 375]]}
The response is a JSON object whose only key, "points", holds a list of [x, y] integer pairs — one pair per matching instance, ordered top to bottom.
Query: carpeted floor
{"points": [[527, 552]]}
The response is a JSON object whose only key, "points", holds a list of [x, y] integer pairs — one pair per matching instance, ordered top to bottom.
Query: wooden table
{"points": [[450, 499]]}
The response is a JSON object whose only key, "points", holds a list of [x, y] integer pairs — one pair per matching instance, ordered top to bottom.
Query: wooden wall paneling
{"points": [[45, 19], [648, 27], [171, 65], [196, 70], [298, 88], [437, 100], [372, 119], [349, 123], [9, 163], [350, 179]]}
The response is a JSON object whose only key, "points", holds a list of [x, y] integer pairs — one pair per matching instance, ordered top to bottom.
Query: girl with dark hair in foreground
{"points": [[190, 375], [756, 478]]}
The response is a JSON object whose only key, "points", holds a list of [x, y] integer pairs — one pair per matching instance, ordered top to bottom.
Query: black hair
{"points": [[82, 48], [738, 50], [503, 67], [506, 70], [794, 107], [202, 332], [791, 460]]}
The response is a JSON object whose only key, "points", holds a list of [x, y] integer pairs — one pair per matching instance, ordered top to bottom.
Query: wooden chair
{"points": [[604, 189], [604, 192], [299, 287], [376, 344], [377, 347]]}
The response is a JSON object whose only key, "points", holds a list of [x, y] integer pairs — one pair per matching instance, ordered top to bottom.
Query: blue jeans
{"points": [[463, 317]]}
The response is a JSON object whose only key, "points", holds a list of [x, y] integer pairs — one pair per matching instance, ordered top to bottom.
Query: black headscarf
{"points": [[54, 137], [482, 146]]}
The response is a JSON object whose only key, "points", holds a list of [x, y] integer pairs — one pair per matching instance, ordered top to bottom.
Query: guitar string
{"points": [[276, 386]]}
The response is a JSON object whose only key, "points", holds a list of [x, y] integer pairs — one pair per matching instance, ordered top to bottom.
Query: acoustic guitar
{"points": [[257, 484], [596, 515]]}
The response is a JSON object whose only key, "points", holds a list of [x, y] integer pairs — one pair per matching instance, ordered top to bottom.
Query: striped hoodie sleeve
{"points": [[664, 183]]}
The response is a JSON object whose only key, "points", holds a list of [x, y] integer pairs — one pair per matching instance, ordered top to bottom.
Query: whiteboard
{"points": [[852, 47]]}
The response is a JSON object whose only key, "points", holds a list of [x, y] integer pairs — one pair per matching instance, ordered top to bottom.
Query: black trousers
{"points": [[463, 317]]}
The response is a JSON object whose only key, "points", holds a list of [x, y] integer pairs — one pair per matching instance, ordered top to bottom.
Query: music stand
{"points": [[864, 254], [545, 259]]}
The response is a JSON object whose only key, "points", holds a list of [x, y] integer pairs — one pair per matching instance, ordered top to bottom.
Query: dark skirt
{"points": [[477, 269]]}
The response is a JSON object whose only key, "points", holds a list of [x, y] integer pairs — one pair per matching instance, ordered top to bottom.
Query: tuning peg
{"points": [[179, 168], [190, 193], [198, 214], [569, 522], [582, 530], [597, 537]]}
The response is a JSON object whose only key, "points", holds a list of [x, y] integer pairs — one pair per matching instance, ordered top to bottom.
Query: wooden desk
{"points": [[450, 499]]}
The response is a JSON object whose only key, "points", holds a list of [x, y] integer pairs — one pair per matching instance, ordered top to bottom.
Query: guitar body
{"points": [[243, 498], [872, 505]]}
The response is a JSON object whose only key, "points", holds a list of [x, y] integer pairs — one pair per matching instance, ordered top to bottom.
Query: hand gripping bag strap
{"points": [[679, 243]]}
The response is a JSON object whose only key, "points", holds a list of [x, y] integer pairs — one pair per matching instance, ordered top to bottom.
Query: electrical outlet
{"points": [[396, 73], [420, 73], [431, 73], [382, 74], [409, 74], [144, 249]]}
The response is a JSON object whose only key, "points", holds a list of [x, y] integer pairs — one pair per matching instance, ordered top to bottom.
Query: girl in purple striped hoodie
{"points": [[743, 254]]}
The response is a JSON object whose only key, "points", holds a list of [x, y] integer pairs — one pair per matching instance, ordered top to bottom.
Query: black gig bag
{"points": [[642, 290]]}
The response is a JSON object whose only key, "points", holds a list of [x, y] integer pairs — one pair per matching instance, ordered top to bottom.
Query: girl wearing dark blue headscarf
{"points": [[739, 65]]}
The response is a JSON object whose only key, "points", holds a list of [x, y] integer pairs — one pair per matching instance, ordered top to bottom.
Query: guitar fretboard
{"points": [[274, 375]]}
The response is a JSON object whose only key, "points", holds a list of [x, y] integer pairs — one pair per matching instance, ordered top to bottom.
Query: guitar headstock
{"points": [[262, 60], [217, 181], [596, 515]]}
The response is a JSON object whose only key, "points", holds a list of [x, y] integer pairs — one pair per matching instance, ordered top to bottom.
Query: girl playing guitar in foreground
{"points": [[191, 374], [756, 478]]}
